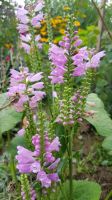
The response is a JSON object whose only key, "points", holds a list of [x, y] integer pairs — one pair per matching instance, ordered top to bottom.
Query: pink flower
{"points": [[39, 6], [21, 11], [36, 20], [23, 28], [25, 38], [37, 38], [78, 43], [26, 47], [59, 59], [95, 60], [35, 77], [39, 85], [21, 86], [21, 132], [54, 145], [25, 159], [30, 162], [54, 164], [36, 167], [54, 177], [45, 181]]}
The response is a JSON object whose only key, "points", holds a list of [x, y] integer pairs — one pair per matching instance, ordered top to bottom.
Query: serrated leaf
{"points": [[8, 116], [100, 120], [82, 190]]}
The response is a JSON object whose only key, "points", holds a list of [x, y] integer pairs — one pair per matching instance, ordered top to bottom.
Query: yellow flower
{"points": [[66, 8], [77, 23], [62, 31], [43, 33], [44, 40], [55, 41], [8, 45]]}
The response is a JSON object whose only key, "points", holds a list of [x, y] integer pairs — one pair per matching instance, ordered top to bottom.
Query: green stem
{"points": [[70, 166], [13, 169], [109, 195]]}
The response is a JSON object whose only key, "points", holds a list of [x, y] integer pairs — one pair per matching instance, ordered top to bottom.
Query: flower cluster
{"points": [[26, 23], [59, 59], [86, 59], [82, 60], [25, 87], [41, 161]]}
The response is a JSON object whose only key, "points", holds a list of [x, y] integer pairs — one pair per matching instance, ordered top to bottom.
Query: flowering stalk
{"points": [[48, 20], [29, 22], [68, 61], [25, 187]]}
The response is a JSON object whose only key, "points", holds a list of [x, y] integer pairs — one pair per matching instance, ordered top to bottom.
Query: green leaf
{"points": [[8, 116], [100, 119], [16, 141], [107, 143], [82, 190]]}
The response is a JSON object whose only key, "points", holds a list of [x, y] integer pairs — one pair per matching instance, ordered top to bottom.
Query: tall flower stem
{"points": [[70, 164], [70, 168]]}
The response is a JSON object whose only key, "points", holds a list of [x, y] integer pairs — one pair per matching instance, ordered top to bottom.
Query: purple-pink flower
{"points": [[39, 6], [36, 20], [58, 59], [27, 87], [30, 161]]}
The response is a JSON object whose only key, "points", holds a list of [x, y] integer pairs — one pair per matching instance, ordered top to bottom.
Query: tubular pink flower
{"points": [[39, 6], [36, 20], [23, 28], [25, 38], [26, 47], [59, 59], [21, 86], [21, 132], [30, 161]]}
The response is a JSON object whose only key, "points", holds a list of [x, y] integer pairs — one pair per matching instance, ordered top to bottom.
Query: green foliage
{"points": [[8, 33], [89, 35], [104, 76], [8, 116], [100, 119], [16, 141], [107, 143], [82, 190]]}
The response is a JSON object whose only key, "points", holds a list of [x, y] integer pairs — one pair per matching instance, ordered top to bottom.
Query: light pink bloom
{"points": [[39, 6], [36, 20], [23, 28], [25, 38], [26, 47], [21, 132]]}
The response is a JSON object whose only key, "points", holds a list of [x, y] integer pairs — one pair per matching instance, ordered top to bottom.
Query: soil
{"points": [[102, 174]]}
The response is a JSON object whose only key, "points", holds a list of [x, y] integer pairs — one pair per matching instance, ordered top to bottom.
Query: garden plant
{"points": [[50, 97]]}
